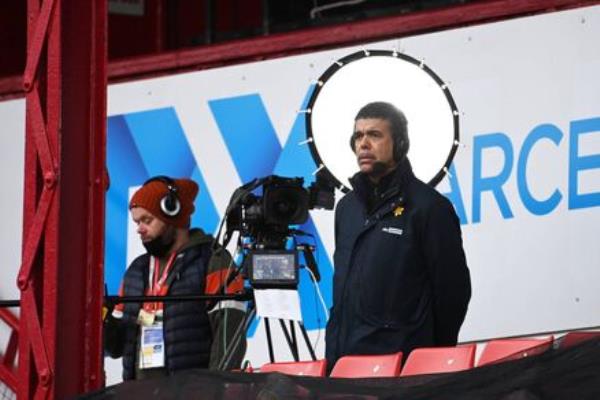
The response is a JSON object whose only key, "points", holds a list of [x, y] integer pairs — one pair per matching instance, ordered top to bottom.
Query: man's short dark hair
{"points": [[398, 125]]}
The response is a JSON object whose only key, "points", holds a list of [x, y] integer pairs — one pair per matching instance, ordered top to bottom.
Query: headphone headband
{"points": [[164, 179]]}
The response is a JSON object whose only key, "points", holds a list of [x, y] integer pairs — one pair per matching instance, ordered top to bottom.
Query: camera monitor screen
{"points": [[273, 269]]}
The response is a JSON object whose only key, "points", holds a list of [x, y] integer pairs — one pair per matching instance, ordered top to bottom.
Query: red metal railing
{"points": [[8, 373]]}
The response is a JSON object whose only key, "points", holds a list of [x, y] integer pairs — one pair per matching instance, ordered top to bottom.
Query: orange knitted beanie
{"points": [[152, 193]]}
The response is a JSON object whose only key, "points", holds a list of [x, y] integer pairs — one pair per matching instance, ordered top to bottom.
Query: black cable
{"points": [[244, 296]]}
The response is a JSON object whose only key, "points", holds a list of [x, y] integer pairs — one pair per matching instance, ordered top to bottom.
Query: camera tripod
{"points": [[289, 330], [289, 333]]}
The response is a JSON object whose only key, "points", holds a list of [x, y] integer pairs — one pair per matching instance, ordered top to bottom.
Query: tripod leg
{"points": [[293, 332], [294, 339], [269, 340], [307, 341], [292, 345]]}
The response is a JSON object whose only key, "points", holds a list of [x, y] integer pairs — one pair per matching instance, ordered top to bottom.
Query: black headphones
{"points": [[169, 204]]}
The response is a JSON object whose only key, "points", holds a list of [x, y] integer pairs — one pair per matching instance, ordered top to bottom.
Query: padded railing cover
{"points": [[570, 373]]}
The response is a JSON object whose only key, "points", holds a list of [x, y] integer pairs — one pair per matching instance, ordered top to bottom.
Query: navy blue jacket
{"points": [[401, 280]]}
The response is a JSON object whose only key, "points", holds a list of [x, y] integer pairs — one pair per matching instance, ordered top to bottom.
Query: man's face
{"points": [[373, 143], [148, 226]]}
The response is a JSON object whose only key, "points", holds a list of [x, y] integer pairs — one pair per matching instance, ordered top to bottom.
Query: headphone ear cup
{"points": [[401, 147], [399, 150], [170, 205]]}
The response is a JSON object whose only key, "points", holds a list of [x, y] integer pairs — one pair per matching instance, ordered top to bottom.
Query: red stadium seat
{"points": [[574, 338], [511, 349], [433, 360], [368, 366], [301, 368]]}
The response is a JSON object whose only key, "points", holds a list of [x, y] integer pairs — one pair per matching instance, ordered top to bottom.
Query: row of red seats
{"points": [[427, 360]]}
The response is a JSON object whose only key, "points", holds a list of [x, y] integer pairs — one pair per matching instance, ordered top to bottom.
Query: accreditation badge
{"points": [[146, 318], [152, 349]]}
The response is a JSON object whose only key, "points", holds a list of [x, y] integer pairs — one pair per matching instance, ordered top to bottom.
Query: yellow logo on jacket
{"points": [[398, 211]]}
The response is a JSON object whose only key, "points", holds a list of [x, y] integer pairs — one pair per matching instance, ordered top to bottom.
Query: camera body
{"points": [[284, 202], [263, 211]]}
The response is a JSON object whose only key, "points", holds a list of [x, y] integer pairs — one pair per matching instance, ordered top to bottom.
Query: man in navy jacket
{"points": [[401, 280]]}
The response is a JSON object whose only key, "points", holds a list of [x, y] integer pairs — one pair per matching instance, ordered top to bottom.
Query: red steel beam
{"points": [[347, 34], [302, 41], [11, 87], [97, 184], [61, 276], [7, 360], [29, 377], [8, 378]]}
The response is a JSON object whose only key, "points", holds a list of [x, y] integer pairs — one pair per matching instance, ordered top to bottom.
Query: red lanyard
{"points": [[157, 285]]}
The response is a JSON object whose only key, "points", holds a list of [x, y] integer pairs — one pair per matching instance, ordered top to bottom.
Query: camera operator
{"points": [[401, 279], [156, 338]]}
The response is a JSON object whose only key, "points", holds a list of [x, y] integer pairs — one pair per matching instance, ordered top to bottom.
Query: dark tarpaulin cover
{"points": [[565, 374]]}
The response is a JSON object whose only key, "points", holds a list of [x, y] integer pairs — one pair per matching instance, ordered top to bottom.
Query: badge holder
{"points": [[152, 347]]}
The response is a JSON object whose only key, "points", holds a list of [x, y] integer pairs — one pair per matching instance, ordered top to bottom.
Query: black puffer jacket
{"points": [[401, 279], [187, 331]]}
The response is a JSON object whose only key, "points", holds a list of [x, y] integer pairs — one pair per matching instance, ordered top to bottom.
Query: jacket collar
{"points": [[390, 185]]}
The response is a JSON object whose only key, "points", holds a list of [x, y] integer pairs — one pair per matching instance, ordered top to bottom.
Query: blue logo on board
{"points": [[152, 142]]}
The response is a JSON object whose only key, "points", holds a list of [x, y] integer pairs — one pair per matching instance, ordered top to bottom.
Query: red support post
{"points": [[61, 277]]}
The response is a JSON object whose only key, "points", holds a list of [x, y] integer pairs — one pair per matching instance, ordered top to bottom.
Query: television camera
{"points": [[263, 211]]}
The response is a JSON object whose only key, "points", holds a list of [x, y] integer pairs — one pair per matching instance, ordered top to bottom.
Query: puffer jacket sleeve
{"points": [[226, 319]]}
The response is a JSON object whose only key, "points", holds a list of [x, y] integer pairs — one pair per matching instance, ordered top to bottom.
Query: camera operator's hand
{"points": [[109, 305], [107, 311], [113, 330]]}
